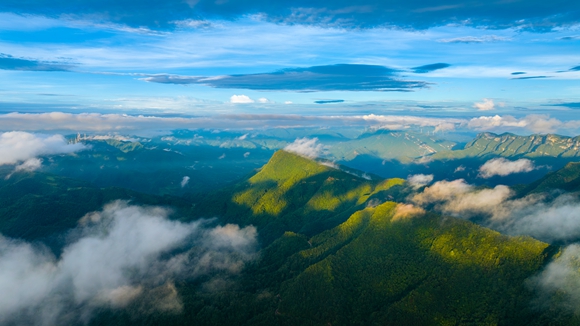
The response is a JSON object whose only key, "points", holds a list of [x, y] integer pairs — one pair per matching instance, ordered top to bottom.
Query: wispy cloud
{"points": [[365, 14], [475, 39], [8, 62], [428, 68]]}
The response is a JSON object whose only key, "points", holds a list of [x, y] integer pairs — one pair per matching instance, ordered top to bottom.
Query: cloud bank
{"points": [[96, 122], [502, 167], [122, 256]]}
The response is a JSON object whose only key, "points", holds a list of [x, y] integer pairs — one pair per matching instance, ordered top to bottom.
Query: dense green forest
{"points": [[336, 249]]}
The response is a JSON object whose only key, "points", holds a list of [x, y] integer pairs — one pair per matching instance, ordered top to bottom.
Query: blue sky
{"points": [[451, 59]]}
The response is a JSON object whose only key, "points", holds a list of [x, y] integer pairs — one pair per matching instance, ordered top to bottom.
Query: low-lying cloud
{"points": [[17, 146], [307, 147], [502, 167], [419, 180], [497, 208], [122, 256], [559, 282]]}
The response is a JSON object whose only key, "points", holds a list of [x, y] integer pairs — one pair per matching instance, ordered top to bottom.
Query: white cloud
{"points": [[240, 99], [263, 100], [288, 102], [486, 105], [533, 122], [243, 137], [16, 146], [307, 147], [246, 154], [222, 156], [32, 164], [502, 167], [419, 180], [184, 181], [119, 255]]}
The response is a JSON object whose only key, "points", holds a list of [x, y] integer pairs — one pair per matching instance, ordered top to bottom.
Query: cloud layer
{"points": [[339, 77], [123, 255]]}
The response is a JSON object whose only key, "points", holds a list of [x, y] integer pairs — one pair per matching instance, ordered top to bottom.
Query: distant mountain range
{"points": [[514, 146]]}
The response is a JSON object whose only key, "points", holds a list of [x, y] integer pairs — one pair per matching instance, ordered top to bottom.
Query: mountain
{"points": [[387, 144], [514, 146], [566, 179], [293, 193]]}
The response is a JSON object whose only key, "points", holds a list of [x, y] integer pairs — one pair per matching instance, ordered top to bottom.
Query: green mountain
{"points": [[510, 145], [566, 178], [293, 193], [425, 270]]}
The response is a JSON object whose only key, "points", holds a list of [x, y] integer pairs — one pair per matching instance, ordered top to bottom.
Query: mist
{"points": [[122, 255]]}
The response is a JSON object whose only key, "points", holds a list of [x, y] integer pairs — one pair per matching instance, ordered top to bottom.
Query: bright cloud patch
{"points": [[241, 99], [486, 105], [18, 146], [307, 147], [502, 167], [419, 180], [184, 181], [122, 254]]}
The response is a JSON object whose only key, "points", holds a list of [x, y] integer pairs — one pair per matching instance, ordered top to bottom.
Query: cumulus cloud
{"points": [[241, 99], [264, 100], [486, 105], [16, 146], [307, 147], [502, 167], [419, 180], [184, 181], [123, 255]]}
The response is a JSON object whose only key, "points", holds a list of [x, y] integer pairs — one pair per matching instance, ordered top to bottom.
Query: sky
{"points": [[218, 60]]}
